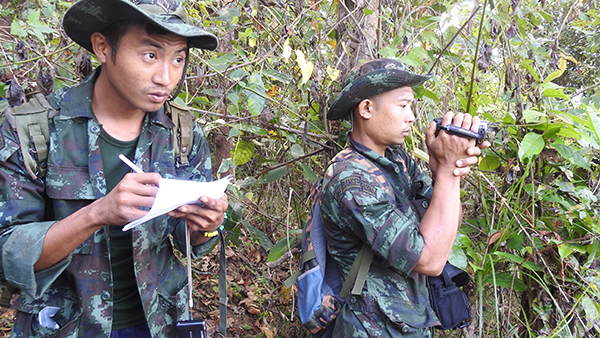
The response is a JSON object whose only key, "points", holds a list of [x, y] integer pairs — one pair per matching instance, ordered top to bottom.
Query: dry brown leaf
{"points": [[494, 237]]}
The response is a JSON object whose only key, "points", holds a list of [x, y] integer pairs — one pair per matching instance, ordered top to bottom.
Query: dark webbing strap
{"points": [[358, 272], [222, 288]]}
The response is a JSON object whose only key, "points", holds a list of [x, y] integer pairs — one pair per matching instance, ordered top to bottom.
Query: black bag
{"points": [[449, 302]]}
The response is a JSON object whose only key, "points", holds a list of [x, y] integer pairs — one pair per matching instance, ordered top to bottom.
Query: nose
{"points": [[162, 74], [410, 116]]}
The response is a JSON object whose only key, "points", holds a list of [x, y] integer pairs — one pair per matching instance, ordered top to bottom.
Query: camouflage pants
{"points": [[358, 324]]}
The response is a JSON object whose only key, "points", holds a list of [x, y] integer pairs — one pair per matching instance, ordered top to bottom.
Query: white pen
{"points": [[130, 164]]}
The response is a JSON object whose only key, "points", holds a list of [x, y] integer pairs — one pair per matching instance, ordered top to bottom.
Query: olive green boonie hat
{"points": [[88, 16], [369, 79]]}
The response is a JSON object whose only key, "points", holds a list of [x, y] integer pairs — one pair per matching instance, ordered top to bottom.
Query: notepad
{"points": [[173, 193]]}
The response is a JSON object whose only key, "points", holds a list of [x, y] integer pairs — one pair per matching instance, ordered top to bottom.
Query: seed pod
{"points": [[83, 63], [45, 82], [15, 94]]}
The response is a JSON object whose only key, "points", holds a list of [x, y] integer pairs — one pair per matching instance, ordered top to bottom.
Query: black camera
{"points": [[462, 132], [191, 329]]}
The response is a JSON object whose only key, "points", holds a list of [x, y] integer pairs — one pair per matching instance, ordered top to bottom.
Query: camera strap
{"points": [[222, 281]]}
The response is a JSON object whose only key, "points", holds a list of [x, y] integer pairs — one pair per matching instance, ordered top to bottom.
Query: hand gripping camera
{"points": [[462, 132]]}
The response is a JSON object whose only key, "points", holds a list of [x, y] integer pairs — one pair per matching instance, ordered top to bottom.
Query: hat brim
{"points": [[88, 16], [369, 85]]}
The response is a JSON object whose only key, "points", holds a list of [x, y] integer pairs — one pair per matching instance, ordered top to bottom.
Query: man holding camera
{"points": [[369, 191], [61, 242]]}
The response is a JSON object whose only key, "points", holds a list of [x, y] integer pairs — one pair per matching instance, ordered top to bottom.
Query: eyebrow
{"points": [[157, 45]]}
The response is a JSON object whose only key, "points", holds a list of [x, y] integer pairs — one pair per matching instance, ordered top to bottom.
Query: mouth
{"points": [[159, 96]]}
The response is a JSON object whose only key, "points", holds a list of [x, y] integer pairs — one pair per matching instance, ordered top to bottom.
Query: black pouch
{"points": [[449, 302], [191, 329]]}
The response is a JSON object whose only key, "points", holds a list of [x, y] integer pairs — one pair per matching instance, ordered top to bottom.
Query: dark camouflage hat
{"points": [[88, 16], [369, 79]]}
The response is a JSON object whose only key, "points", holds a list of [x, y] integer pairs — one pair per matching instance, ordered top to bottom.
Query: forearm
{"points": [[440, 225], [66, 235]]}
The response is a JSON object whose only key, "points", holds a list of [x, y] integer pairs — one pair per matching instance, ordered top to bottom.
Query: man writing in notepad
{"points": [[60, 235]]}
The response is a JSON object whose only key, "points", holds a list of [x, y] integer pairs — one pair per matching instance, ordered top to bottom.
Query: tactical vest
{"points": [[30, 121]]}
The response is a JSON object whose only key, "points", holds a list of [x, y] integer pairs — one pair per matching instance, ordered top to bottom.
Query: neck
{"points": [[118, 117]]}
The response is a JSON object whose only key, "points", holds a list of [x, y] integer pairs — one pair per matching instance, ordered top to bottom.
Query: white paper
{"points": [[174, 193]]}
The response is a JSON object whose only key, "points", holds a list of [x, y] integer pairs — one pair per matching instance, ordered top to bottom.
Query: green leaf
{"points": [[425, 21], [16, 29], [388, 51], [275, 75], [551, 92], [255, 94], [250, 128], [234, 132], [531, 145], [296, 150], [242, 152], [572, 156], [489, 162], [308, 174], [274, 175], [260, 236], [279, 249], [566, 249], [458, 258], [519, 260], [505, 280]]}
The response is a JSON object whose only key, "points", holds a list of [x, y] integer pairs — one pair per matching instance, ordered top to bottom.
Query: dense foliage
{"points": [[529, 67]]}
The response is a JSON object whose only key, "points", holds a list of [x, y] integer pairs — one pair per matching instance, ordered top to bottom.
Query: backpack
{"points": [[30, 120], [322, 290]]}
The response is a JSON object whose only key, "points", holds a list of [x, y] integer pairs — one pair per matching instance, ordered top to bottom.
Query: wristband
{"points": [[213, 233]]}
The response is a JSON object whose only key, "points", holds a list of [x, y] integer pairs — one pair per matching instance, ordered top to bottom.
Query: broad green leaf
{"points": [[425, 21], [16, 29], [388, 51], [412, 60], [526, 64], [306, 67], [333, 73], [275, 75], [558, 93], [255, 94], [531, 116], [593, 117], [251, 128], [234, 132], [531, 145], [296, 150], [242, 152], [572, 156], [489, 162], [308, 174], [274, 175], [260, 236], [280, 248], [566, 249], [458, 258], [519, 260], [505, 280], [592, 316]]}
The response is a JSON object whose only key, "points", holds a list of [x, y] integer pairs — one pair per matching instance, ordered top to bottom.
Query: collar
{"points": [[391, 161]]}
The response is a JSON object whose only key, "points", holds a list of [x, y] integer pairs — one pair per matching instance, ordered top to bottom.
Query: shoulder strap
{"points": [[30, 120], [183, 130], [358, 272]]}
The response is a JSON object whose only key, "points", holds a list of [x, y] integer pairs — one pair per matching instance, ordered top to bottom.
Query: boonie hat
{"points": [[88, 16], [369, 79]]}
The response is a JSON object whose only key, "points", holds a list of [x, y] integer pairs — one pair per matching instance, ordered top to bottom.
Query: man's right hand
{"points": [[124, 203]]}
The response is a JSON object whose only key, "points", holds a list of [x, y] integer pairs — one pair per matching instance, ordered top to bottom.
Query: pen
{"points": [[130, 164]]}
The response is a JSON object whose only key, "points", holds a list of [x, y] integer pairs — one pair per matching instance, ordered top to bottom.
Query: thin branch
{"points": [[476, 55], [585, 89], [289, 162]]}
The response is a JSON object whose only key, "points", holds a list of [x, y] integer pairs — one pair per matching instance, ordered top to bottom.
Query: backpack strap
{"points": [[30, 120], [183, 130], [358, 272]]}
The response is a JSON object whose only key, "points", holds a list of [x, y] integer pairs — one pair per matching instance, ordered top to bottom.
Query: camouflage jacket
{"points": [[366, 200], [80, 285]]}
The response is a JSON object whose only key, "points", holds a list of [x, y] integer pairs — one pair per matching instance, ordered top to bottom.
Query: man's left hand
{"points": [[206, 217]]}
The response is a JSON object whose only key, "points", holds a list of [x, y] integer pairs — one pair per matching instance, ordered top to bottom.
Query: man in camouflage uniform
{"points": [[367, 191], [60, 236]]}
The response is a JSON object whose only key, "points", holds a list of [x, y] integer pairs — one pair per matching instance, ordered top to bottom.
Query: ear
{"points": [[101, 47], [365, 109]]}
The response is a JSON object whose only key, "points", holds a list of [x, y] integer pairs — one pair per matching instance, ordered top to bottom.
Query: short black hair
{"points": [[114, 32]]}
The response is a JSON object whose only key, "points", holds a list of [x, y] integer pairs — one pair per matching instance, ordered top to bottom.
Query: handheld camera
{"points": [[462, 132], [191, 329]]}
